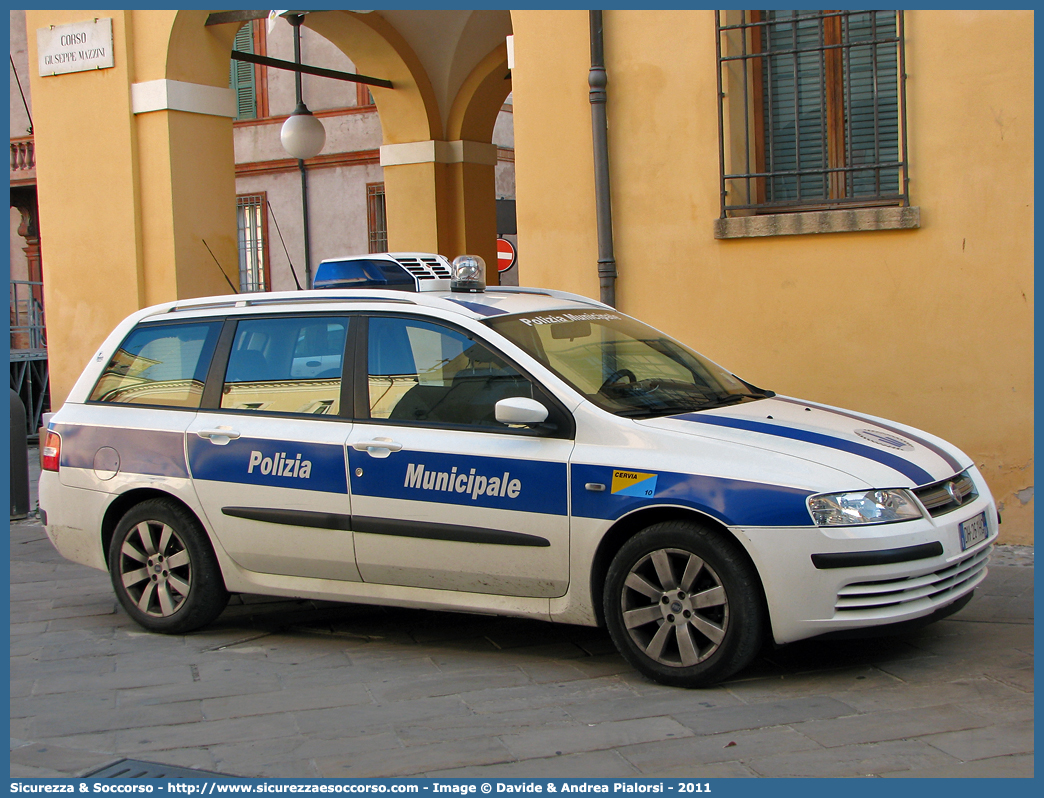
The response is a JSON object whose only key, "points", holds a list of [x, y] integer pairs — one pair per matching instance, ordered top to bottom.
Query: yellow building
{"points": [[865, 240]]}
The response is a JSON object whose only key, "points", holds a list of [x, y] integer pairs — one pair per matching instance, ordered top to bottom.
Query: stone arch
{"points": [[196, 53], [481, 96], [408, 111], [439, 188]]}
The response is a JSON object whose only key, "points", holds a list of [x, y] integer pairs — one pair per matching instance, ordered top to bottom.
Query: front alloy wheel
{"points": [[683, 604], [674, 607]]}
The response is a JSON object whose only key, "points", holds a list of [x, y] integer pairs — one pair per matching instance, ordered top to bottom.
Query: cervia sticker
{"points": [[634, 483]]}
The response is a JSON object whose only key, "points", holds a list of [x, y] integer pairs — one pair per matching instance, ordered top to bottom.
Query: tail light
{"points": [[51, 453]]}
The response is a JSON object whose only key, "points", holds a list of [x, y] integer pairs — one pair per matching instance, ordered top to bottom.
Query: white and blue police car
{"points": [[401, 435]]}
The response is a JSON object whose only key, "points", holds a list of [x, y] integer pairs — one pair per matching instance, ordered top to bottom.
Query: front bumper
{"points": [[863, 584]]}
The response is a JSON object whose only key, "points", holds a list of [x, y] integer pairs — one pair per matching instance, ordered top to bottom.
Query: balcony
{"points": [[23, 161]]}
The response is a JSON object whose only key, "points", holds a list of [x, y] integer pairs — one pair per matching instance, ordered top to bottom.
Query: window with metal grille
{"points": [[241, 77], [812, 110], [376, 217], [252, 224]]}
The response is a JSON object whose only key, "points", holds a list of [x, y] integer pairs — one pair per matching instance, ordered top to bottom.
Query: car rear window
{"points": [[160, 364]]}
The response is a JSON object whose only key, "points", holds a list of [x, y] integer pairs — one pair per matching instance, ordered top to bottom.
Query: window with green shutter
{"points": [[241, 75], [821, 97]]}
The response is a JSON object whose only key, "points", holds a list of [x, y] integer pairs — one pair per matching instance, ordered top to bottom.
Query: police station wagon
{"points": [[416, 440]]}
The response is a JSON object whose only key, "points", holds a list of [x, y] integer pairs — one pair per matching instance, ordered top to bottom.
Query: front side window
{"points": [[811, 110], [160, 364], [288, 365], [624, 366], [420, 371]]}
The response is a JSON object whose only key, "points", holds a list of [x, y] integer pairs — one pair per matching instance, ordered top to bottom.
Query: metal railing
{"points": [[786, 110], [28, 333], [30, 374]]}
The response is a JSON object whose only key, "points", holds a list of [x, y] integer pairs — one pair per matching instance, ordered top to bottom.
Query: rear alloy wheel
{"points": [[163, 570], [683, 605]]}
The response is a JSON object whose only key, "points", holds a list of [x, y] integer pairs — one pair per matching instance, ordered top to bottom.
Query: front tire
{"points": [[163, 569], [683, 605]]}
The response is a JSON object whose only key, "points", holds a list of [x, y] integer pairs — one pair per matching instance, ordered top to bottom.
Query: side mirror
{"points": [[520, 410]]}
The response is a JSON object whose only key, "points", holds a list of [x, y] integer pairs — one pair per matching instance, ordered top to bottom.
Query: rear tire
{"points": [[163, 570], [683, 605]]}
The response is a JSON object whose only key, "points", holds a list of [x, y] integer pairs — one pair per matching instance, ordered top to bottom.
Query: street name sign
{"points": [[76, 47]]}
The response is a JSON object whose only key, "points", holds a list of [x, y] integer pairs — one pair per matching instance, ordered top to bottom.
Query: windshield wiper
{"points": [[734, 398]]}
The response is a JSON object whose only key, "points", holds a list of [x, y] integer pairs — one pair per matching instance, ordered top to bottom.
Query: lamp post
{"points": [[303, 136]]}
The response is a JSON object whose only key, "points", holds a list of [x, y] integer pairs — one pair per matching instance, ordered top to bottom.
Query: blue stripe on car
{"points": [[476, 307], [141, 451], [945, 455], [277, 464], [913, 472], [530, 486], [732, 501]]}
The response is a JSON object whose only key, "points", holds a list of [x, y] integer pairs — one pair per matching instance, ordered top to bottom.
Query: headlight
{"points": [[863, 507]]}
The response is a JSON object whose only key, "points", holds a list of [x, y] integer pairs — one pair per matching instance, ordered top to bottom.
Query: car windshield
{"points": [[624, 366]]}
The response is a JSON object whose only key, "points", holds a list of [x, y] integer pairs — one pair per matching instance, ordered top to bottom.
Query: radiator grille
{"points": [[946, 496], [883, 597]]}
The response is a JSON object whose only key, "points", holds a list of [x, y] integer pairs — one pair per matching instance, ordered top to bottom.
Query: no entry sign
{"points": [[505, 255]]}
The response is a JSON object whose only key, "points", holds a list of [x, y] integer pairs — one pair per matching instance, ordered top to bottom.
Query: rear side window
{"points": [[160, 364], [286, 365]]}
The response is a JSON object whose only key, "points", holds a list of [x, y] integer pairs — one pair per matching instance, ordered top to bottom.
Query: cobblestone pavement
{"points": [[308, 689]]}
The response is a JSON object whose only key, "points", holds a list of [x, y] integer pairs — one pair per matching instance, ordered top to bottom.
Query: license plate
{"points": [[974, 531]]}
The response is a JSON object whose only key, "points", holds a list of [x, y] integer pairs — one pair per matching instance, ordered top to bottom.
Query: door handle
{"points": [[219, 436], [378, 447]]}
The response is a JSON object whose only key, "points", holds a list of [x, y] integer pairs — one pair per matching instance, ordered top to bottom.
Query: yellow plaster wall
{"points": [[554, 170], [203, 188], [412, 191], [473, 217], [932, 327]]}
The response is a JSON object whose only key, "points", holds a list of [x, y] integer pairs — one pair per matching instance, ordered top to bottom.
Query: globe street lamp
{"points": [[303, 136]]}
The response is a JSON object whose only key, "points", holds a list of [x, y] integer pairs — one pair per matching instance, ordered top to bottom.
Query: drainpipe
{"points": [[597, 81], [307, 231]]}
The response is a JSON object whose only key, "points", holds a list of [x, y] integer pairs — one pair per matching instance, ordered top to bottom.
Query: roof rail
{"points": [[327, 297]]}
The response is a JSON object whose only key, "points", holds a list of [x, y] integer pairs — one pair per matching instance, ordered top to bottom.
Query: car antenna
{"points": [[293, 272], [234, 291]]}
